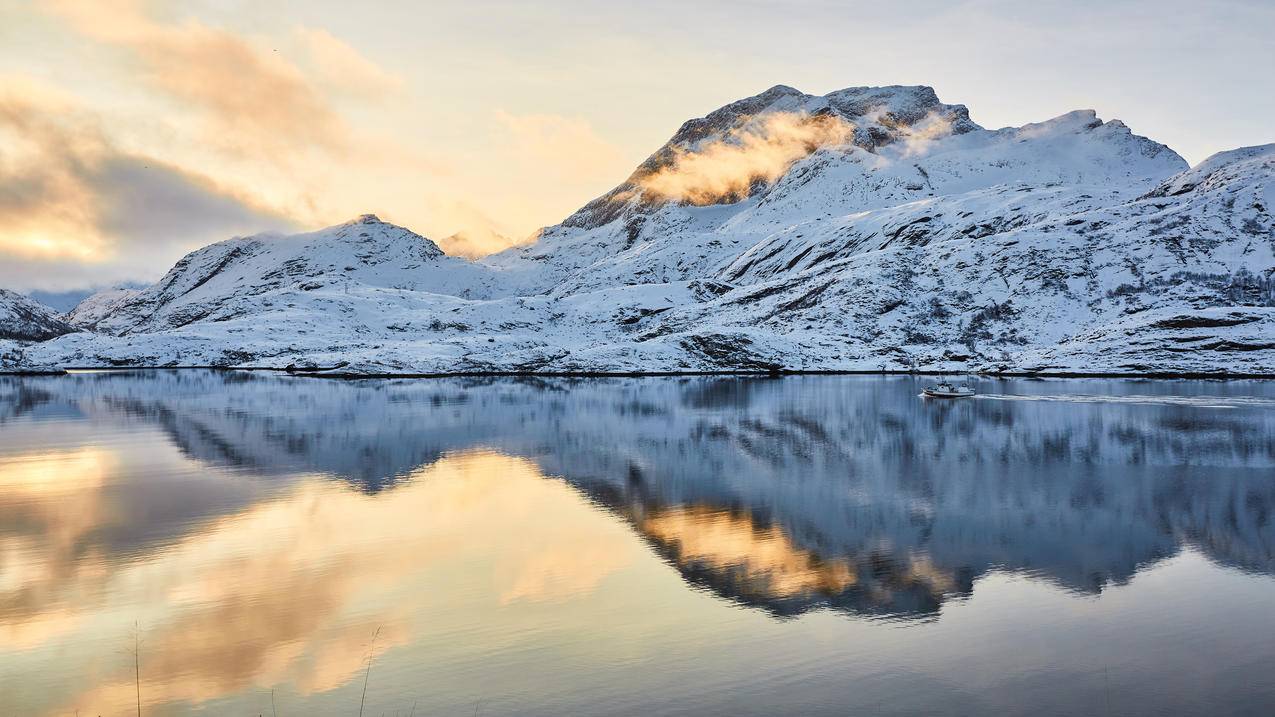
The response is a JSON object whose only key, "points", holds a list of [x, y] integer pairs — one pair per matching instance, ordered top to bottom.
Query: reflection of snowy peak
{"points": [[868, 228], [784, 493]]}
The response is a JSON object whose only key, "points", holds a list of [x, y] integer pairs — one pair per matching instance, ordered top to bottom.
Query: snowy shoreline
{"points": [[355, 376]]}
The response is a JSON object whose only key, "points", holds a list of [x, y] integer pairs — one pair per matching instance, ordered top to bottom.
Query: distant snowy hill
{"points": [[870, 228], [25, 319]]}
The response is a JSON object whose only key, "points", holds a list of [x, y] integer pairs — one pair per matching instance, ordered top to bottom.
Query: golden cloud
{"points": [[342, 68], [253, 100], [566, 146], [724, 170], [43, 198], [477, 242], [50, 502], [763, 560]]}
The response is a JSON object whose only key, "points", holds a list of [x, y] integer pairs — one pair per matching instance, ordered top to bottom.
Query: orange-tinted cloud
{"points": [[342, 68], [251, 98], [567, 147], [761, 150], [475, 243], [763, 560]]}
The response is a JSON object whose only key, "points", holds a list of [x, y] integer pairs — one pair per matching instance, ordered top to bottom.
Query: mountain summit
{"points": [[732, 152], [865, 229]]}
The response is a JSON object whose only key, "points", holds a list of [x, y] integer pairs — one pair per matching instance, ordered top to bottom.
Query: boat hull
{"points": [[948, 394]]}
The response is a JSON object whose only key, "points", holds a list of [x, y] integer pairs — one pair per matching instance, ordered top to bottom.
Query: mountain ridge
{"points": [[865, 229]]}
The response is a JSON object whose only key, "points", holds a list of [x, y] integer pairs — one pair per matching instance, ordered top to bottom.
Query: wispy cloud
{"points": [[342, 68], [479, 234]]}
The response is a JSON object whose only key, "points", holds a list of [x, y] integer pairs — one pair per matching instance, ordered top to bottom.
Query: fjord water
{"points": [[659, 546]]}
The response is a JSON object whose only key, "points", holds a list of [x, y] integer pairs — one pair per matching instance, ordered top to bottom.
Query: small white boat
{"points": [[947, 390]]}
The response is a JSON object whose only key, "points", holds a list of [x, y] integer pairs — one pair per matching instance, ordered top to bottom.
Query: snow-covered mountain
{"points": [[867, 229], [25, 319]]}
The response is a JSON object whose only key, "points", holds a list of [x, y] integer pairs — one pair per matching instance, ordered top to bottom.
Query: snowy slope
{"points": [[867, 229], [240, 276], [95, 307]]}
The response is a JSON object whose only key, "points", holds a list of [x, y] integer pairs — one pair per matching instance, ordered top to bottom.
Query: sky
{"points": [[133, 131]]}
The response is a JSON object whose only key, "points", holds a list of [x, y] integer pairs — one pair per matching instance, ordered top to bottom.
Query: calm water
{"points": [[662, 546]]}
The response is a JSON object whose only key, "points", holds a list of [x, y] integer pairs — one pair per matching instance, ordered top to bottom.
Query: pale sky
{"points": [[134, 131]]}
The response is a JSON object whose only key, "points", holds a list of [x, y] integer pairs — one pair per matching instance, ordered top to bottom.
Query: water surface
{"points": [[658, 546]]}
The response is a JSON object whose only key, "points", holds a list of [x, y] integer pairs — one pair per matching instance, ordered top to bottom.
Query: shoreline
{"points": [[350, 376]]}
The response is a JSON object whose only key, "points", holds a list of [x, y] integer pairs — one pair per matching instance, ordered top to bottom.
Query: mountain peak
{"points": [[778, 91], [765, 134]]}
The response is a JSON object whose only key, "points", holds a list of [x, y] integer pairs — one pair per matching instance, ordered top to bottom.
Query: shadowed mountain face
{"points": [[783, 494]]}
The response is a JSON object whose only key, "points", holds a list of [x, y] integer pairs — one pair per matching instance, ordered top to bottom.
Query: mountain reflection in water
{"points": [[260, 528]]}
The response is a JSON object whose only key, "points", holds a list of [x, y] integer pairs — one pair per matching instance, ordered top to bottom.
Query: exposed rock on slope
{"points": [[871, 228]]}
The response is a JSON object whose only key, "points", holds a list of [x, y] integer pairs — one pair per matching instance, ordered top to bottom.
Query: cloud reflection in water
{"points": [[261, 528]]}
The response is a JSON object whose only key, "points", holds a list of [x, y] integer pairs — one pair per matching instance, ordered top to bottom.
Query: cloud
{"points": [[343, 68], [251, 98], [919, 137], [567, 147], [535, 168], [723, 170], [145, 202], [75, 209], [479, 235], [474, 243], [761, 560]]}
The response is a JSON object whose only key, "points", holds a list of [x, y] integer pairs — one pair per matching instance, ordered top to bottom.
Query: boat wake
{"points": [[1191, 401]]}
